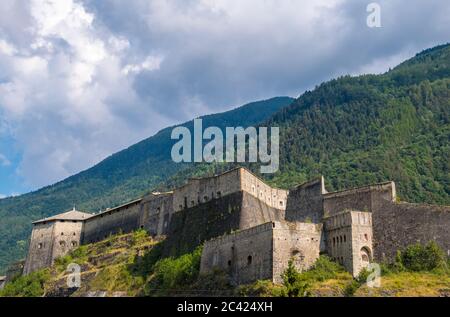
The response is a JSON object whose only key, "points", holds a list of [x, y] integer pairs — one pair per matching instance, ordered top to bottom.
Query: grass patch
{"points": [[31, 285]]}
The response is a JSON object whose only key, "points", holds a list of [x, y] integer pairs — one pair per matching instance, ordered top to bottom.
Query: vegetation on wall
{"points": [[352, 130], [118, 179]]}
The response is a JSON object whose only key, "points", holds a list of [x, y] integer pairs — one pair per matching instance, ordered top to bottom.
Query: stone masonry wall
{"points": [[198, 191], [273, 197], [363, 198], [305, 202], [237, 211], [156, 213], [121, 219], [397, 225], [66, 236], [349, 237], [51, 240], [298, 241], [41, 247], [245, 255]]}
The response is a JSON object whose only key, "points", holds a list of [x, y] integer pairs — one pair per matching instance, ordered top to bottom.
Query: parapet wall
{"points": [[202, 190], [272, 197], [364, 198], [305, 202], [237, 211], [156, 212], [124, 219], [397, 225], [50, 240], [301, 242], [263, 252], [245, 255]]}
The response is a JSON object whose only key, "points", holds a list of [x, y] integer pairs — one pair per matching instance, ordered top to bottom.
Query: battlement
{"points": [[251, 229], [215, 242]]}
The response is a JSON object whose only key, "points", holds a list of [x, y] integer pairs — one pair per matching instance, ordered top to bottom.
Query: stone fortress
{"points": [[252, 230]]}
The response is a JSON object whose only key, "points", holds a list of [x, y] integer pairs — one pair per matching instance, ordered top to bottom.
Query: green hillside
{"points": [[366, 129], [352, 130], [359, 130], [118, 179]]}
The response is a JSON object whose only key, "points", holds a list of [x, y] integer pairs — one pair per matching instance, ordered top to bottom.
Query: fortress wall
{"points": [[198, 191], [273, 197], [363, 199], [305, 202], [237, 211], [255, 212], [156, 213], [122, 219], [397, 225], [190, 227], [347, 233], [67, 237], [50, 240], [298, 241], [362, 241], [41, 247], [245, 255]]}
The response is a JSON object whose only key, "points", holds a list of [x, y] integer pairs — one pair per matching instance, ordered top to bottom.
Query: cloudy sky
{"points": [[81, 79]]}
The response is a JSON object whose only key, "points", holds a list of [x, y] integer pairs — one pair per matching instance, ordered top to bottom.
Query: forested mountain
{"points": [[366, 129], [352, 130], [119, 178]]}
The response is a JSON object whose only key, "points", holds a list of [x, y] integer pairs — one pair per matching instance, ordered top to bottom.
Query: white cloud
{"points": [[149, 64], [80, 79], [4, 160]]}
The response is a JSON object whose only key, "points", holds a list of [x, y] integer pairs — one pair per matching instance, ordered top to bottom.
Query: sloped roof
{"points": [[74, 215]]}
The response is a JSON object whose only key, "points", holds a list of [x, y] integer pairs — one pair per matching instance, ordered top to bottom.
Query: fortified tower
{"points": [[54, 237]]}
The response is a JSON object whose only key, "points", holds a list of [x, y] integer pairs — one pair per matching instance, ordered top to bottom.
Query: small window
{"points": [[219, 194], [205, 198], [281, 203], [142, 226], [62, 233], [74, 233], [366, 237], [345, 238], [340, 239], [334, 241], [62, 243], [74, 243], [39, 246], [249, 260], [229, 262]]}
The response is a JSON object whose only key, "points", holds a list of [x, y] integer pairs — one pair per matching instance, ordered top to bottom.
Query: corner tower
{"points": [[54, 237]]}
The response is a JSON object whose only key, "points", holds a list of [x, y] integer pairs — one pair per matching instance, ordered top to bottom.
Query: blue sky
{"points": [[81, 79]]}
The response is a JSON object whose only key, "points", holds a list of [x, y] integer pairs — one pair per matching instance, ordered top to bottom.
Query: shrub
{"points": [[139, 236], [419, 257], [144, 266], [323, 269], [172, 274], [356, 283], [31, 285], [294, 285], [261, 288]]}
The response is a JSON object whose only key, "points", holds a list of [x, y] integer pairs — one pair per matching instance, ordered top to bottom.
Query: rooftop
{"points": [[73, 215]]}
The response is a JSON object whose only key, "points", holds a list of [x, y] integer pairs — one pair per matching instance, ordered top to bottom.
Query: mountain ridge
{"points": [[353, 130], [117, 179]]}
